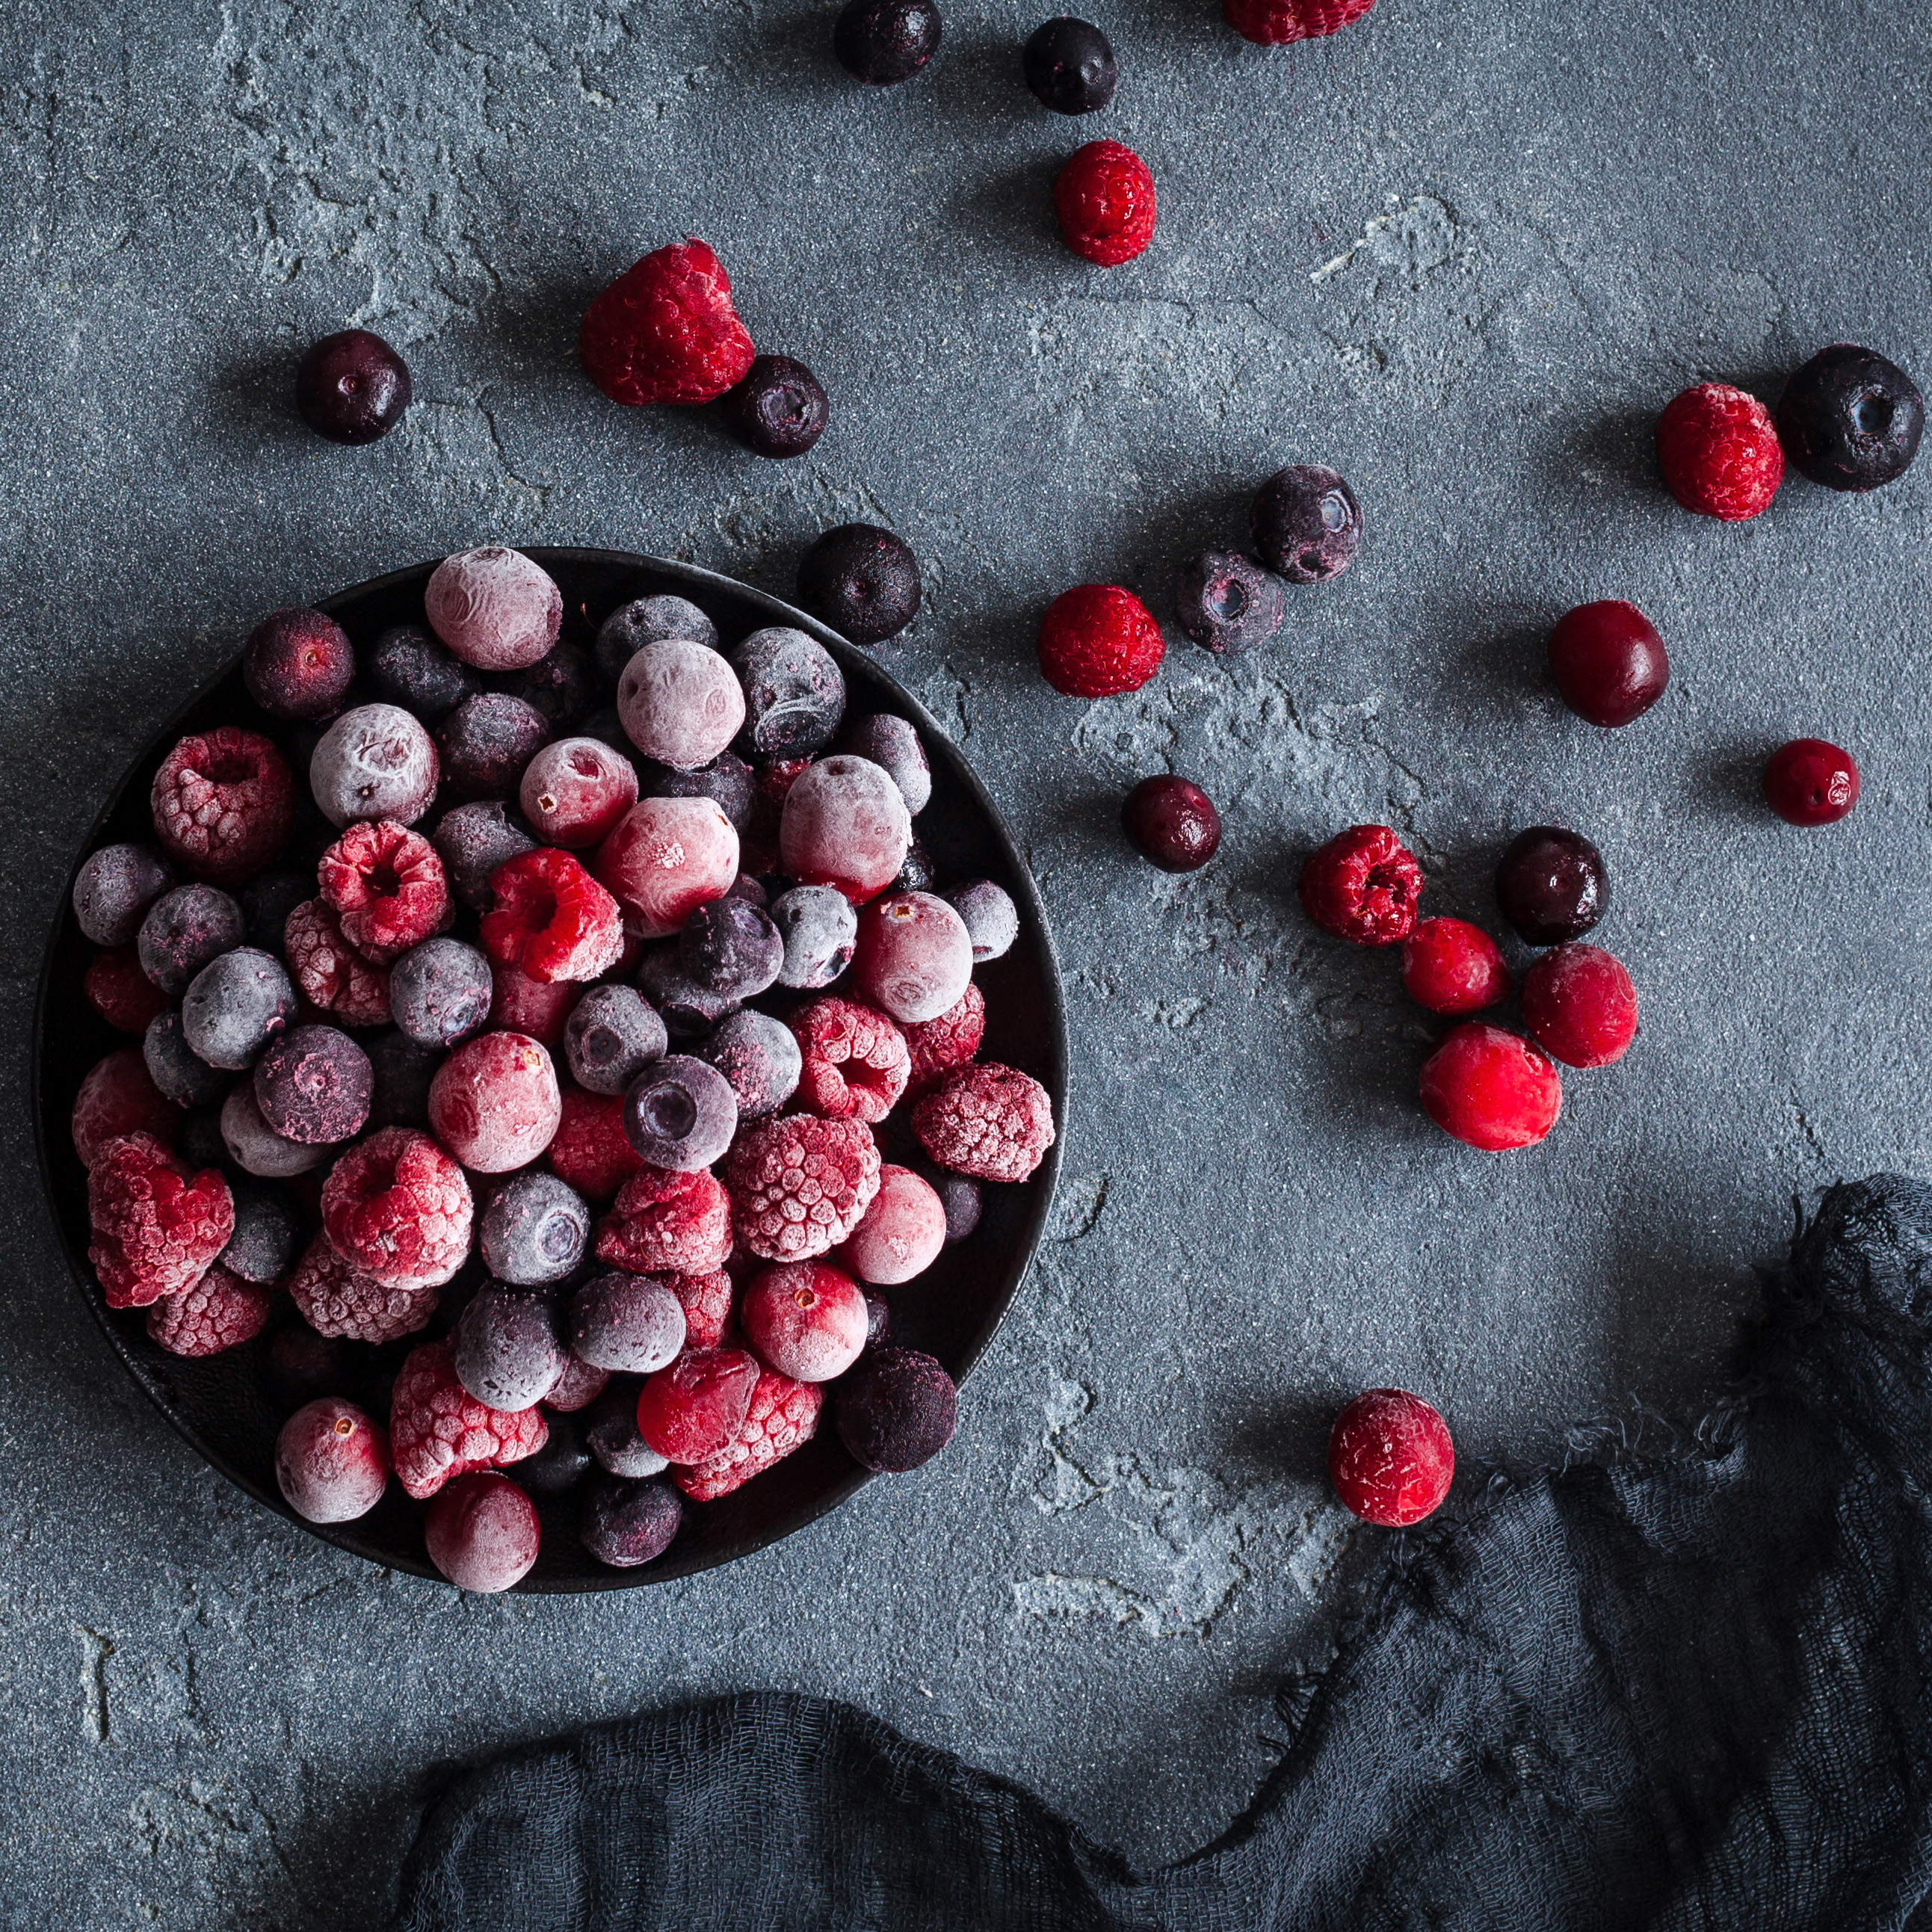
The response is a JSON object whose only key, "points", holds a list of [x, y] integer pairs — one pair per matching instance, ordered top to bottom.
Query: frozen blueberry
{"points": [[883, 42], [1070, 67], [353, 387], [778, 409], [1850, 420], [1306, 523], [861, 580], [1226, 602], [649, 621], [298, 664], [408, 667], [562, 685], [794, 694], [486, 742], [893, 745], [728, 781], [472, 841], [919, 873], [114, 889], [751, 890], [266, 901], [992, 919], [819, 930], [183, 931], [729, 946], [440, 992], [234, 1005], [687, 1008], [613, 1034], [759, 1056], [401, 1070], [187, 1079], [313, 1085], [680, 1113], [199, 1138], [255, 1147], [959, 1196], [266, 1229], [534, 1231], [878, 1321], [630, 1323], [506, 1350], [897, 1409], [611, 1429], [562, 1463], [627, 1523]]}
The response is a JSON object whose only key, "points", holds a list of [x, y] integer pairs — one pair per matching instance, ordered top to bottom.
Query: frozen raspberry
{"points": [[1273, 23], [883, 42], [1104, 197], [665, 332], [353, 387], [778, 409], [1849, 419], [1719, 452], [1307, 524], [861, 580], [1227, 603], [494, 608], [1098, 641], [1608, 662], [298, 664], [409, 668], [680, 703], [487, 743], [374, 762], [1810, 782], [575, 791], [223, 801], [1171, 823], [845, 824], [473, 841], [667, 857], [1551, 884], [385, 885], [1362, 886], [114, 889], [551, 920], [184, 930], [821, 931], [915, 957], [1451, 967], [329, 973], [120, 992], [441, 992], [519, 1004], [1580, 1005], [612, 1035], [936, 1046], [760, 1059], [855, 1063], [314, 1085], [1490, 1089], [118, 1097], [494, 1102], [680, 1113], [991, 1122], [255, 1147], [589, 1149], [800, 1185], [399, 1208], [666, 1223], [157, 1228], [535, 1229], [902, 1233], [336, 1298], [706, 1299], [220, 1311], [806, 1319], [630, 1323], [506, 1348], [576, 1388], [696, 1406], [899, 1408], [783, 1415], [440, 1432], [1390, 1459], [331, 1462], [625, 1524], [482, 1533]]}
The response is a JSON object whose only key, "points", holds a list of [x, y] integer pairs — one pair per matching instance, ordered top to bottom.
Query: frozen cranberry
{"points": [[1104, 199], [353, 387], [778, 409], [1307, 524], [861, 580], [494, 608], [1608, 661], [298, 664], [794, 693], [680, 702], [488, 742], [374, 762], [1810, 782], [575, 791], [223, 802], [1172, 822], [845, 824], [472, 842], [667, 857], [385, 885], [1551, 885], [1362, 886], [114, 889], [551, 920], [915, 957], [1451, 967], [1580, 1005], [611, 1036], [313, 1085], [1490, 1088], [118, 1097], [494, 1102], [680, 1113], [901, 1233], [806, 1319], [631, 1324], [506, 1349], [693, 1408], [897, 1409], [1390, 1459], [331, 1462], [625, 1524], [481, 1532]]}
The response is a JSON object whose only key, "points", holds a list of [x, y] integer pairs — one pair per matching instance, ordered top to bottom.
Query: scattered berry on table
{"points": [[1274, 23], [883, 42], [1070, 67], [1104, 198], [665, 332], [352, 387], [778, 409], [1849, 419], [1719, 452], [1307, 524], [861, 580], [1226, 603], [495, 608], [647, 621], [1097, 640], [1609, 663], [298, 664], [408, 667], [562, 685], [794, 693], [680, 702], [487, 743], [893, 745], [374, 762], [727, 782], [1810, 782], [574, 792], [223, 802], [1171, 823], [845, 824], [472, 842], [667, 857], [1551, 885], [1362, 886], [386, 887], [114, 889], [992, 919], [552, 920], [184, 931], [821, 931], [731, 948], [914, 960], [1450, 966], [330, 973], [120, 992], [441, 992], [234, 1005], [1580, 1005], [688, 1010], [612, 1035], [936, 1046], [759, 1056], [853, 1063], [176, 1069], [313, 1084], [1490, 1089], [118, 1097], [494, 1101], [680, 1113], [991, 1122], [256, 1147], [588, 1149], [799, 1186], [962, 1199], [397, 1207], [666, 1223], [157, 1228], [535, 1230], [901, 1233], [263, 1243], [220, 1311], [805, 1319], [631, 1324], [505, 1348], [576, 1388], [691, 1409], [897, 1409], [782, 1415], [438, 1432], [610, 1433], [1390, 1459], [331, 1462], [625, 1524], [482, 1533]]}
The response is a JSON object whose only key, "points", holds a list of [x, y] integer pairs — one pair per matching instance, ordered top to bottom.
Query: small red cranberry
{"points": [[1608, 661], [1809, 782], [1171, 822], [1451, 967], [1580, 1005], [1491, 1089], [1391, 1458]]}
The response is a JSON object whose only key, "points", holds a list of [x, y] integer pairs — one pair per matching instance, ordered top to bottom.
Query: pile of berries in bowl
{"points": [[590, 1067]]}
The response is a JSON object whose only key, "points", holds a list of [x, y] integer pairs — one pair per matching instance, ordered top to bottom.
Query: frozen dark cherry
{"points": [[883, 42], [1070, 67], [1104, 197], [353, 387], [778, 409], [1850, 420], [1719, 452], [1307, 525], [861, 580], [1226, 603], [495, 608], [1098, 640], [1608, 661], [298, 664], [409, 668], [562, 684], [680, 702], [486, 743], [727, 782], [1810, 782], [1172, 822], [845, 823], [1551, 885], [1362, 886], [915, 957], [1450, 966], [1580, 1005], [688, 1010], [1491, 1089], [494, 1101], [680, 1113], [897, 1409], [610, 1434], [1390, 1459], [331, 1462], [625, 1524], [482, 1532]]}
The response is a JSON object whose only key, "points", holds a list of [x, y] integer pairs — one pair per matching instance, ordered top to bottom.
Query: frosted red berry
{"points": [[1274, 23], [1104, 197], [665, 332], [1719, 452], [494, 608], [1097, 640], [1608, 662], [298, 664], [679, 702], [1810, 782], [574, 792], [223, 802], [1171, 823], [845, 824], [667, 857], [385, 883], [1362, 886], [550, 919], [915, 957], [1451, 967], [329, 973], [120, 992], [1580, 1005], [539, 1009], [934, 1047], [855, 1064], [1490, 1089], [118, 1097], [495, 1103], [991, 1122], [589, 1150], [800, 1185], [397, 1207], [666, 1223], [157, 1227], [901, 1233], [337, 1298], [706, 1299], [220, 1311], [805, 1319], [576, 1388], [692, 1408], [783, 1415], [438, 1432], [1390, 1459], [331, 1461], [482, 1533]]}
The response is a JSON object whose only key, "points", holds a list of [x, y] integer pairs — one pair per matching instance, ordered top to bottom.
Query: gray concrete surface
{"points": [[1463, 252]]}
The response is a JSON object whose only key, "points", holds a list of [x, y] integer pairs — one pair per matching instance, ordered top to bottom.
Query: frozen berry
{"points": [[1274, 23], [883, 42], [1070, 67], [1104, 198], [665, 332], [353, 387], [778, 410], [1849, 419], [1719, 452], [1307, 524], [861, 580], [1226, 603], [494, 607], [647, 621], [1096, 641], [1608, 661], [298, 664], [408, 667], [562, 685], [794, 693], [681, 703], [487, 743], [893, 745], [374, 762], [727, 782], [1810, 782], [575, 791], [223, 802], [1172, 822], [845, 824], [472, 842], [667, 857], [920, 874], [1551, 885], [1362, 886], [386, 887], [114, 889], [267, 900], [992, 919], [551, 920], [184, 931], [821, 931], [730, 948], [915, 958], [1450, 966], [331, 974], [120, 992], [441, 992], [234, 1005], [1580, 1005], [688, 1010], [612, 1035], [936, 1046], [759, 1056], [854, 1063], [175, 1068], [313, 1085], [1491, 1089], [117, 1097], [494, 1102], [680, 1113], [990, 1121], [256, 1147], [589, 1149], [800, 1185], [961, 1197], [397, 1207], [666, 1222], [157, 1228], [534, 1231], [900, 1236], [263, 1243], [338, 1299], [219, 1312], [806, 1319], [631, 1324], [505, 1348], [303, 1366], [575, 1389], [693, 1407], [897, 1409], [782, 1416], [438, 1432], [610, 1434], [1390, 1459], [331, 1462], [625, 1524], [482, 1533]]}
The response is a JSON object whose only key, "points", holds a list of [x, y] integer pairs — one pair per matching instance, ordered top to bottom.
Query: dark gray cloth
{"points": [[1690, 1689]]}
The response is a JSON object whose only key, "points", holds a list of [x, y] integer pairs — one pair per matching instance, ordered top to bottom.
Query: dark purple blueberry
{"points": [[883, 42], [1070, 67], [353, 388], [778, 409], [1849, 419], [1307, 525], [861, 580], [1227, 603], [649, 621], [298, 664], [409, 667], [562, 685], [794, 694], [486, 742], [893, 745], [727, 782], [1171, 822], [472, 841], [919, 873], [1552, 886], [114, 889], [751, 890], [267, 899], [992, 920], [819, 930], [183, 931], [730, 947], [439, 992], [234, 1005], [686, 1008], [613, 1034], [759, 1056], [174, 1066], [401, 1070], [313, 1086], [680, 1113], [200, 1137], [255, 1147], [959, 1195], [534, 1231], [266, 1232], [878, 1321], [630, 1323], [505, 1346], [303, 1366], [896, 1409], [611, 1429], [562, 1463], [625, 1524]]}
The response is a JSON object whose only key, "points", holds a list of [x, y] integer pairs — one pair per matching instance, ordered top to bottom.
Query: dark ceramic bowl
{"points": [[226, 1407]]}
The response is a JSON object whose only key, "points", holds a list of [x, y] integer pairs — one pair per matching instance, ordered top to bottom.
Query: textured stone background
{"points": [[1463, 252]]}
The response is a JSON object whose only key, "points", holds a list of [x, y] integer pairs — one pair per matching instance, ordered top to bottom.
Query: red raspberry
{"points": [[1273, 23], [1104, 197], [665, 332], [1720, 452], [1097, 641], [223, 801], [385, 885], [1362, 887], [552, 920], [1451, 967], [329, 973], [120, 992], [519, 1004], [1580, 1005], [937, 1046], [855, 1061], [1490, 1089], [118, 1097], [494, 1102], [991, 1122], [589, 1151], [800, 1185], [399, 1208], [666, 1223], [157, 1228], [335, 1297], [706, 1299], [220, 1311], [693, 1407], [784, 1413], [438, 1432], [1390, 1459]]}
